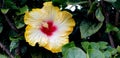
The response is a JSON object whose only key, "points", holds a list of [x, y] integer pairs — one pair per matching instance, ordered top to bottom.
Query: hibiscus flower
{"points": [[49, 27]]}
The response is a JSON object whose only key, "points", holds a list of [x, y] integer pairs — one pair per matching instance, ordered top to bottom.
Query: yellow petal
{"points": [[50, 10], [34, 17], [65, 22], [33, 36], [56, 42]]}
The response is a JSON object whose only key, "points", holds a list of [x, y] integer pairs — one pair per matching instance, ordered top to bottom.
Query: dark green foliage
{"points": [[96, 34]]}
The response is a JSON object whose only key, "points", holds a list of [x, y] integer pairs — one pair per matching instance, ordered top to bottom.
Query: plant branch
{"points": [[106, 14], [117, 17], [10, 24], [111, 40], [6, 50]]}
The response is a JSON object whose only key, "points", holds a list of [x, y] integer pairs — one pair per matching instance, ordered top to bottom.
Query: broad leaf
{"points": [[111, 1], [22, 10], [4, 11], [99, 15], [19, 23], [88, 28], [110, 28], [13, 45], [85, 45], [94, 45], [103, 45], [67, 46], [118, 49], [113, 51], [74, 52], [93, 53], [107, 54]]}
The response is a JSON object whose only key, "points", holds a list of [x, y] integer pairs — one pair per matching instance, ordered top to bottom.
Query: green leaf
{"points": [[111, 1], [10, 4], [116, 4], [92, 7], [22, 10], [4, 11], [99, 15], [19, 23], [1, 27], [88, 28], [110, 28], [13, 45], [85, 45], [94, 45], [103, 45], [67, 46], [118, 49], [113, 51], [74, 52], [93, 53], [107, 54], [3, 56]]}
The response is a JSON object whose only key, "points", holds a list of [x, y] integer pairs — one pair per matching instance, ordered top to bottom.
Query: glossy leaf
{"points": [[111, 1], [22, 10], [4, 11], [99, 15], [19, 23], [89, 28], [110, 28], [13, 45], [85, 45], [94, 45], [103, 45], [67, 46], [118, 49], [113, 51], [75, 52], [93, 53], [107, 54]]}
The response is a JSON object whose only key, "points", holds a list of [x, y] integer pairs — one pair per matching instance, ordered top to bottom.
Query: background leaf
{"points": [[111, 1], [22, 10], [4, 11], [99, 15], [88, 28], [110, 28], [67, 46], [74, 52], [93, 53], [3, 56]]}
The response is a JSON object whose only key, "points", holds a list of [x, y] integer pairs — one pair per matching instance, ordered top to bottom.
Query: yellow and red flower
{"points": [[49, 27]]}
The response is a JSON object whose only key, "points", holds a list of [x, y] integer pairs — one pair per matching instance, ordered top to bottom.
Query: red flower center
{"points": [[48, 28]]}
